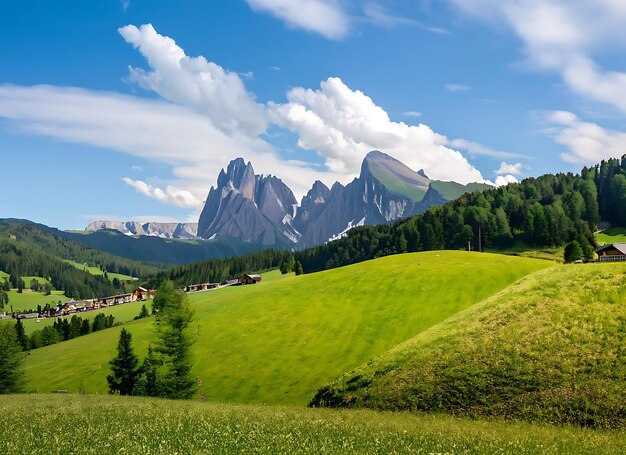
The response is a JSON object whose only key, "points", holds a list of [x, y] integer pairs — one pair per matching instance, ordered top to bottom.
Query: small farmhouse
{"points": [[613, 252], [249, 279], [139, 294]]}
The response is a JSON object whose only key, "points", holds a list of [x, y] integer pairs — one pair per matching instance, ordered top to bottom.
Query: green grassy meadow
{"points": [[611, 235], [97, 271], [4, 276], [29, 300], [279, 341], [550, 348], [112, 424]]}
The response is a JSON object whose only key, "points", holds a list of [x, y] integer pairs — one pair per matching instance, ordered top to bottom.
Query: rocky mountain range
{"points": [[263, 210], [163, 230]]}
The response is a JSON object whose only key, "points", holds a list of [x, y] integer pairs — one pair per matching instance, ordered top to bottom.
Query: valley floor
{"points": [[92, 424]]}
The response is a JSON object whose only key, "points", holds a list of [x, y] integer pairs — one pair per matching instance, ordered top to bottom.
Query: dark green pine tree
{"points": [[573, 252], [298, 268], [143, 313], [173, 321], [20, 333], [11, 359], [125, 369], [148, 385]]}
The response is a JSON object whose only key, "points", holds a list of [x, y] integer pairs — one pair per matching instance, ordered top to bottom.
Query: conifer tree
{"points": [[573, 252], [173, 320], [20, 333], [11, 359], [124, 368]]}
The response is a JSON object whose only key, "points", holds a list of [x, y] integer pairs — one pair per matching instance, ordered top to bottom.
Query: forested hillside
{"points": [[550, 210], [57, 244], [27, 249], [218, 270]]}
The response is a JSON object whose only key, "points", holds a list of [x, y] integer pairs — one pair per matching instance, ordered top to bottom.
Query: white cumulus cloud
{"points": [[326, 17], [564, 36], [194, 82], [206, 117], [343, 125], [586, 142], [506, 168], [503, 180], [171, 195]]}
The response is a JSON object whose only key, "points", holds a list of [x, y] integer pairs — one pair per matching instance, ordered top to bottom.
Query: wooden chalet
{"points": [[613, 252], [249, 279], [140, 294]]}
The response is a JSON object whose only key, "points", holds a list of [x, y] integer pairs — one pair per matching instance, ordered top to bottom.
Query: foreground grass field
{"points": [[278, 342], [551, 348], [104, 424]]}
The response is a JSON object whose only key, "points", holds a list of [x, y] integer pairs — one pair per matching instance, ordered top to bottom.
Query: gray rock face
{"points": [[386, 190], [249, 207], [262, 209], [163, 230]]}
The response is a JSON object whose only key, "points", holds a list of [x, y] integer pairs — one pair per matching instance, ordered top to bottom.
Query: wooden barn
{"points": [[613, 252], [249, 279]]}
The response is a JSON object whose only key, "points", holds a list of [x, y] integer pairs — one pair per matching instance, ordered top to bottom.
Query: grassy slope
{"points": [[397, 186], [611, 235], [521, 249], [97, 271], [29, 300], [278, 342], [550, 348], [104, 424]]}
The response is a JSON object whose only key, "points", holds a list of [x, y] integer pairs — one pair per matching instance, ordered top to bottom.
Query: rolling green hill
{"points": [[279, 341], [550, 348], [110, 424]]}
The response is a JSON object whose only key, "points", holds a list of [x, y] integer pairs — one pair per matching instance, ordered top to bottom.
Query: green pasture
{"points": [[611, 235], [97, 271], [279, 341], [550, 348]]}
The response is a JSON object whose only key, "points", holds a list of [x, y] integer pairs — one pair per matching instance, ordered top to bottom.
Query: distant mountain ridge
{"points": [[263, 210], [152, 229]]}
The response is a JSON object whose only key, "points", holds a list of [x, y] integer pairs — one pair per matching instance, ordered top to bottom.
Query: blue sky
{"points": [[128, 110]]}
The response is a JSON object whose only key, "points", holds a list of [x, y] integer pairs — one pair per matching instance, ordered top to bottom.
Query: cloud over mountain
{"points": [[207, 116]]}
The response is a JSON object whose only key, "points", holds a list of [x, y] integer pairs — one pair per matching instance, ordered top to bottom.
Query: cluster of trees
{"points": [[20, 260], [290, 265], [218, 270], [63, 329], [166, 370]]}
